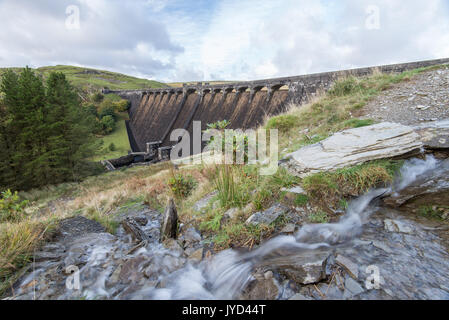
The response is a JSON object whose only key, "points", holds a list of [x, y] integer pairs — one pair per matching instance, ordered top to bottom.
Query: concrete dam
{"points": [[155, 113]]}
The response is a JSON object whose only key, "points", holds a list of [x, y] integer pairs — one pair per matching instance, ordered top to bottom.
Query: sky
{"points": [[199, 40]]}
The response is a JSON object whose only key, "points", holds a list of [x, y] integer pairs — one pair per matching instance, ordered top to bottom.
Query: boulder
{"points": [[435, 136], [353, 147], [267, 217], [170, 223], [305, 268], [261, 289]]}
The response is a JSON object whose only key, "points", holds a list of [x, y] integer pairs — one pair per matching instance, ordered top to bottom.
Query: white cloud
{"points": [[222, 39]]}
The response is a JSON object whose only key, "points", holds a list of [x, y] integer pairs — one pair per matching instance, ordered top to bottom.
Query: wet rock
{"points": [[352, 147], [429, 188], [267, 217], [170, 223], [398, 226], [134, 228], [289, 228], [190, 238], [174, 246], [197, 255], [46, 256], [306, 268], [351, 268], [352, 288], [261, 289], [298, 296]]}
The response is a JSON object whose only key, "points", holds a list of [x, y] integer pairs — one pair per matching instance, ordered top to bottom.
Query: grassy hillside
{"points": [[90, 80], [119, 137]]}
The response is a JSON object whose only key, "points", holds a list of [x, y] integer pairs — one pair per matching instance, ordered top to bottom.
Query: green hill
{"points": [[90, 80]]}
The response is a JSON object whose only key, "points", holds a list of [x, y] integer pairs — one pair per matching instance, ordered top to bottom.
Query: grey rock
{"points": [[352, 147], [296, 190], [203, 203], [231, 213], [267, 217], [170, 223], [398, 226], [289, 228], [190, 238], [197, 255], [348, 265], [306, 268], [352, 288], [298, 296]]}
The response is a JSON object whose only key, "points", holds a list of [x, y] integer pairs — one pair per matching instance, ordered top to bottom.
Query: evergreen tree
{"points": [[45, 133]]}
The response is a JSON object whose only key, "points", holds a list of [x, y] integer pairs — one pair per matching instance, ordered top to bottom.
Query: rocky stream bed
{"points": [[380, 249]]}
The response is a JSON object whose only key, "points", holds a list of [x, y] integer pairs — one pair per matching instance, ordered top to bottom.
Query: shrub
{"points": [[97, 97], [122, 105], [92, 109], [106, 109], [108, 124], [112, 147], [181, 186], [11, 208]]}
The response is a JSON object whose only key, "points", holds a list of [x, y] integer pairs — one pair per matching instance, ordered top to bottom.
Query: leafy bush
{"points": [[97, 97], [122, 105], [92, 109], [106, 109], [108, 124], [219, 125], [112, 147], [181, 186], [11, 208]]}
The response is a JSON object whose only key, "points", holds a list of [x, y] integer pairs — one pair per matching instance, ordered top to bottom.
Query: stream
{"points": [[392, 254]]}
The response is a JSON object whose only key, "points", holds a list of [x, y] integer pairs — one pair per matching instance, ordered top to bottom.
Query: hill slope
{"points": [[90, 80]]}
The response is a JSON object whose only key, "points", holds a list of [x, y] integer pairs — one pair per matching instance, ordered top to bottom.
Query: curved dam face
{"points": [[155, 113]]}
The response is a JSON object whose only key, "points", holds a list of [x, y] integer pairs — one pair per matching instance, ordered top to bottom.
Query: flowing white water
{"points": [[227, 274]]}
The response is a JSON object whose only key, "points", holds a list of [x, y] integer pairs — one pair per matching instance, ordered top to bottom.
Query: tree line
{"points": [[45, 133]]}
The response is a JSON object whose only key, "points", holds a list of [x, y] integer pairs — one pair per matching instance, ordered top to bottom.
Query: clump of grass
{"points": [[345, 87], [283, 122], [358, 123], [330, 186], [232, 191], [301, 200], [434, 212], [319, 217]]}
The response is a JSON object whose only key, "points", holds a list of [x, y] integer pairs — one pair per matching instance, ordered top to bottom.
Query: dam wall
{"points": [[155, 113]]}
